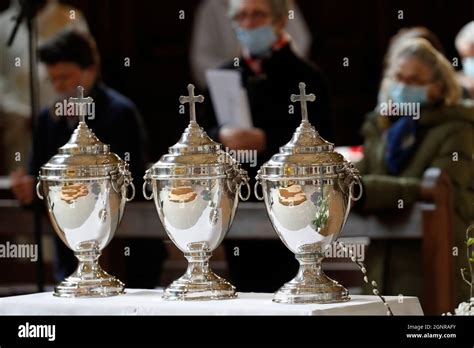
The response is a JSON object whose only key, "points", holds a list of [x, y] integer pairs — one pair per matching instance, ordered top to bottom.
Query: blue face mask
{"points": [[258, 41], [468, 66], [402, 93]]}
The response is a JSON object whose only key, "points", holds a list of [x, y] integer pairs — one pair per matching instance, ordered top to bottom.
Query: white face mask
{"points": [[258, 40], [468, 66], [402, 93]]}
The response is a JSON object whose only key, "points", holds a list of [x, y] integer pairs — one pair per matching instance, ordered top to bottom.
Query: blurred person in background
{"points": [[403, 35], [214, 42], [465, 46], [270, 72], [15, 107], [400, 146]]}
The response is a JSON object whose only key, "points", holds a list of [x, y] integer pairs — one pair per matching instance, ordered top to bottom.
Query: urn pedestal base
{"points": [[89, 279], [199, 283], [311, 285]]}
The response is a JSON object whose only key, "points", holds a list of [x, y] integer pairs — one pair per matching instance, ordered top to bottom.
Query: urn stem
{"points": [[198, 264], [310, 265], [88, 266]]}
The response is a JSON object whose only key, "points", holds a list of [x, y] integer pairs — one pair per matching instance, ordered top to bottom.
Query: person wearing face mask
{"points": [[406, 34], [214, 41], [465, 46], [72, 59], [271, 72], [432, 124]]}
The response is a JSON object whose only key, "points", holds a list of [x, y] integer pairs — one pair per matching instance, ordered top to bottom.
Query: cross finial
{"points": [[303, 98], [192, 100], [81, 103]]}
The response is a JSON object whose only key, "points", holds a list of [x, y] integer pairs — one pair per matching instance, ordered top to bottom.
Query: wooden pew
{"points": [[437, 245]]}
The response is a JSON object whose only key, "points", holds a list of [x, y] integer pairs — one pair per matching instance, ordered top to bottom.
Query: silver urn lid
{"points": [[196, 155], [307, 155], [84, 156]]}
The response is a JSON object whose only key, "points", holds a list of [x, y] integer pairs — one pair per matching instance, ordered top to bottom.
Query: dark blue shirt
{"points": [[117, 122]]}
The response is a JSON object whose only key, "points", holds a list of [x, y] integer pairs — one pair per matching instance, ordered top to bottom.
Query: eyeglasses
{"points": [[255, 16], [414, 80]]}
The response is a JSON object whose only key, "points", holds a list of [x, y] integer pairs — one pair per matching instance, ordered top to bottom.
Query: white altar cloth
{"points": [[149, 302]]}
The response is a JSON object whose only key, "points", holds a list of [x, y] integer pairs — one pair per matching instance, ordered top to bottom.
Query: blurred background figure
{"points": [[401, 36], [214, 42], [465, 47], [72, 60], [270, 72], [15, 109], [399, 148]]}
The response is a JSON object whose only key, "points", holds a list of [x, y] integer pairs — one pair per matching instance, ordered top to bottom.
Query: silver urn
{"points": [[85, 188], [196, 189], [308, 189]]}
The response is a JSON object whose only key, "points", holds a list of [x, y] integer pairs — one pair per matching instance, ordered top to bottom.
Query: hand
{"points": [[243, 139], [23, 186]]}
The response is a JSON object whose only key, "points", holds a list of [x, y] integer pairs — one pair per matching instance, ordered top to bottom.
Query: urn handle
{"points": [[237, 177], [232, 179], [124, 180], [355, 181], [146, 182], [244, 182], [132, 186], [255, 189], [351, 190], [38, 191]]}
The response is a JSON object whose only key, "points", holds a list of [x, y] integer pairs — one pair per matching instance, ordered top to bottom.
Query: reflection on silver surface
{"points": [[196, 188], [85, 189], [307, 189], [92, 217], [204, 219], [314, 222]]}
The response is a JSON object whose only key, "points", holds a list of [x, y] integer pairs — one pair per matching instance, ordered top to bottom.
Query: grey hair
{"points": [[279, 8], [465, 36], [442, 70]]}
